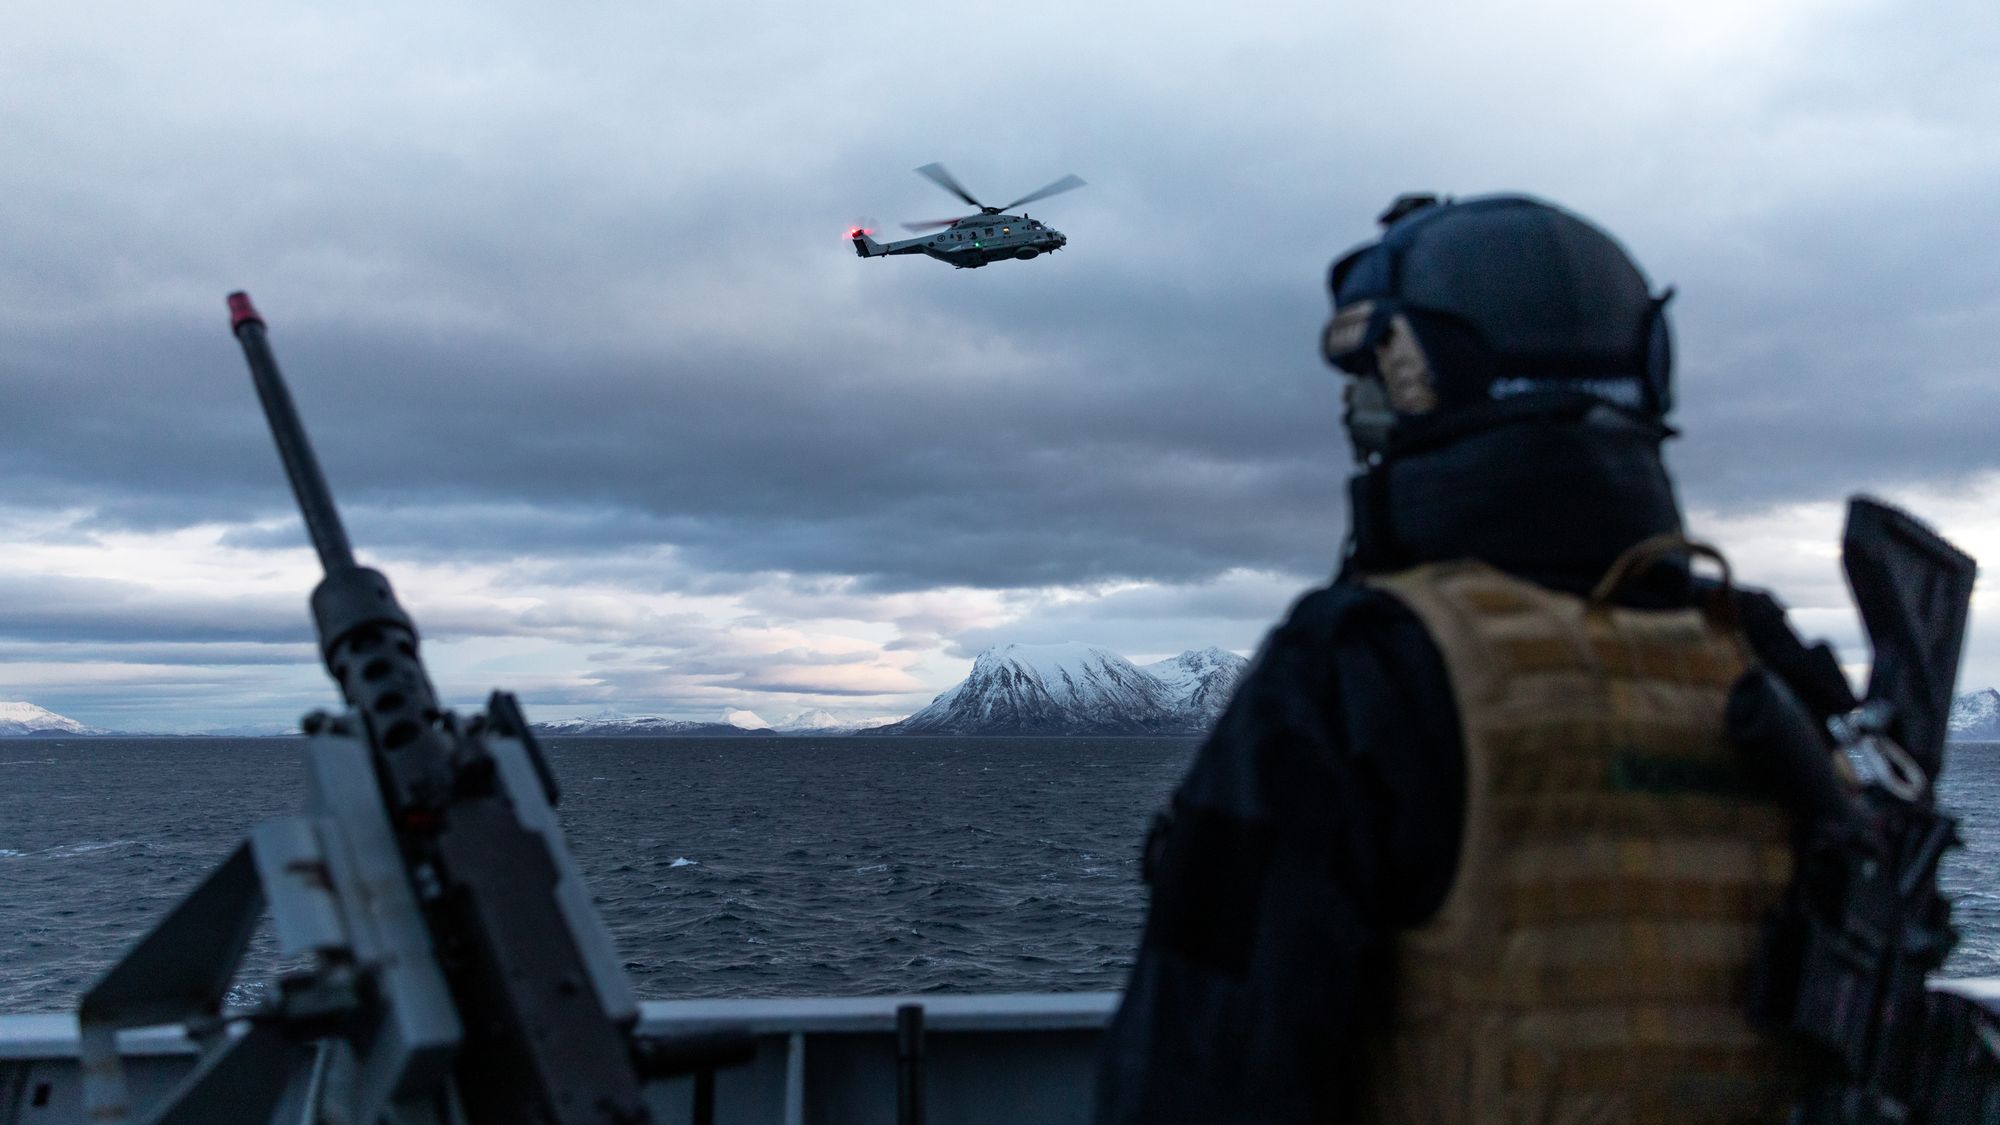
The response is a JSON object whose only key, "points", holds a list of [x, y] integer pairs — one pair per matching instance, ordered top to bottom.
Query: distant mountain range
{"points": [[1064, 689], [1077, 689], [1052, 690], [1055, 690], [611, 724], [620, 726]]}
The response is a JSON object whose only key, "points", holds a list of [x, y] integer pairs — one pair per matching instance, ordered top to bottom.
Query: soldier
{"points": [[1470, 843]]}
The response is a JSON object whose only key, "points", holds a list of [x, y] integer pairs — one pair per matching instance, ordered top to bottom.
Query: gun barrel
{"points": [[301, 467]]}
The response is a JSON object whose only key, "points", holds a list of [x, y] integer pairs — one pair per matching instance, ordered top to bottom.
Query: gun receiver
{"points": [[1846, 955], [460, 973]]}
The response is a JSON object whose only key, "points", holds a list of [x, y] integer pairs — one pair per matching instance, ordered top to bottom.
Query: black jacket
{"points": [[1321, 815]]}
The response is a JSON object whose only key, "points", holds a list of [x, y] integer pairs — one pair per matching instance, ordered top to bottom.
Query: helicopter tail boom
{"points": [[865, 246]]}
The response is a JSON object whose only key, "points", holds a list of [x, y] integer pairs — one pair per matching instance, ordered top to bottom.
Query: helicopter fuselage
{"points": [[972, 242]]}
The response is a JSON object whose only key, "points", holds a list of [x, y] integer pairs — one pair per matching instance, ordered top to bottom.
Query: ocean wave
{"points": [[69, 851], [968, 885]]}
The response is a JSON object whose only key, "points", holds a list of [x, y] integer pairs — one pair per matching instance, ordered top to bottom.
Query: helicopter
{"points": [[973, 240]]}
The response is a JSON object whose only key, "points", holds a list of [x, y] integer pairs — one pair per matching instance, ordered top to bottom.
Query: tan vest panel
{"points": [[1589, 963]]}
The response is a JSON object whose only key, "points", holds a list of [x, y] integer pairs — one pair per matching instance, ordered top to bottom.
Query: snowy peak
{"points": [[1073, 674], [1203, 681], [1046, 689], [1077, 689], [1975, 717], [26, 718], [744, 720], [814, 720], [614, 725]]}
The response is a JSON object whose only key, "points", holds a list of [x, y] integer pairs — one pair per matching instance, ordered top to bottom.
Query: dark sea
{"points": [[727, 867]]}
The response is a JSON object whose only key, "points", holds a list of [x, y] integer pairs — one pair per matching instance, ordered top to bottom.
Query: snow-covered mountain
{"points": [[1203, 681], [1072, 689], [1975, 717], [26, 718], [744, 720], [814, 720], [825, 722], [611, 724], [251, 730]]}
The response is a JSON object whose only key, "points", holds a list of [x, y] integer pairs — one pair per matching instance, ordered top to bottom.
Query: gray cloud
{"points": [[1106, 472], [52, 608], [1231, 612], [204, 654]]}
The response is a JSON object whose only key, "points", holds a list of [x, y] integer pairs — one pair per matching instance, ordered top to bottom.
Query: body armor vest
{"points": [[1590, 962]]}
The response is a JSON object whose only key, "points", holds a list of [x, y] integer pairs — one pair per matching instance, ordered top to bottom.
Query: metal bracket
{"points": [[338, 892]]}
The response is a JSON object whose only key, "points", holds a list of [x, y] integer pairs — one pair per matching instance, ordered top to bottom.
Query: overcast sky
{"points": [[563, 296]]}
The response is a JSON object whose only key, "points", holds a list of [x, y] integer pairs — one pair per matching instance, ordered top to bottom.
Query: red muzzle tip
{"points": [[241, 311]]}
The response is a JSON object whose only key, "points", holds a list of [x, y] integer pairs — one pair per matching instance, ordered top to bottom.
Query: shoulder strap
{"points": [[1643, 556]]}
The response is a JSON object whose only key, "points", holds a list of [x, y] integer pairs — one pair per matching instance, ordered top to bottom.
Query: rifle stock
{"points": [[1914, 591], [1844, 964]]}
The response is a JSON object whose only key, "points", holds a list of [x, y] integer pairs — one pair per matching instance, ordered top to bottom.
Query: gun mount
{"points": [[457, 970]]}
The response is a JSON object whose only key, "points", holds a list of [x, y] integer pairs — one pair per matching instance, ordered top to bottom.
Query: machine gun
{"points": [[1846, 956], [457, 972]]}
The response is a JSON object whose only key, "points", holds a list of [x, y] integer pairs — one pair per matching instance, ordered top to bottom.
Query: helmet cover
{"points": [[1505, 296]]}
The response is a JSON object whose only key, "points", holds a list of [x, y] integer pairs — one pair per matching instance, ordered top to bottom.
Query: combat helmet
{"points": [[1465, 313]]}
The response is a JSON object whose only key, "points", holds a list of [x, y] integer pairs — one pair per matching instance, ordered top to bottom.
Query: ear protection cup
{"points": [[1660, 357]]}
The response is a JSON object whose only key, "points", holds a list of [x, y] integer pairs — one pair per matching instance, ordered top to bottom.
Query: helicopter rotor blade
{"points": [[936, 174], [1067, 183], [933, 224]]}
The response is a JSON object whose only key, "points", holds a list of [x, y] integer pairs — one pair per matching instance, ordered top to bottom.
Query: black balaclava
{"points": [[1510, 384]]}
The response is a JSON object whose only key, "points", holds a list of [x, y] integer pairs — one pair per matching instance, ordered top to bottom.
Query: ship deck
{"points": [[819, 1060]]}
